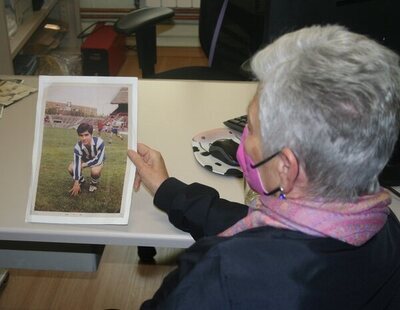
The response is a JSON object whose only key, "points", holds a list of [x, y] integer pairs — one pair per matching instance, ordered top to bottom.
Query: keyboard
{"points": [[236, 123]]}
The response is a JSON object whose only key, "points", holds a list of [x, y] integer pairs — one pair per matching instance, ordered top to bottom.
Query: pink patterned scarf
{"points": [[354, 223]]}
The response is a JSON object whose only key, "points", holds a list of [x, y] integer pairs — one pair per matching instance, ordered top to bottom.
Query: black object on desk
{"points": [[237, 123], [225, 150]]}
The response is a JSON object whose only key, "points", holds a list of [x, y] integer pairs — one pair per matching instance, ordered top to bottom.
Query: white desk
{"points": [[170, 114]]}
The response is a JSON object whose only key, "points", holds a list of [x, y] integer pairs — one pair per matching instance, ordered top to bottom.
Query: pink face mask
{"points": [[250, 171], [251, 174]]}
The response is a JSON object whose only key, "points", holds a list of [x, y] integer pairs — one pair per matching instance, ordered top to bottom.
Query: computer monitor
{"points": [[378, 19]]}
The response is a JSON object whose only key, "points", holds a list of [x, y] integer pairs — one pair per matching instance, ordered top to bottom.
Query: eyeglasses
{"points": [[264, 161], [278, 189]]}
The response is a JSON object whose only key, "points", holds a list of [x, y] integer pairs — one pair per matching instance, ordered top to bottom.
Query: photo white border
{"points": [[120, 218]]}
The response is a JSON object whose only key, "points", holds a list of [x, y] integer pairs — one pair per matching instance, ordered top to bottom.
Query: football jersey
{"points": [[92, 155]]}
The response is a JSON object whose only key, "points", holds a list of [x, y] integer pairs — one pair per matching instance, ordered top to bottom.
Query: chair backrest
{"points": [[209, 13], [250, 24], [241, 33]]}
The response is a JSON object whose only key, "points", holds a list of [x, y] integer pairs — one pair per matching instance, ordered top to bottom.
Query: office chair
{"points": [[230, 32]]}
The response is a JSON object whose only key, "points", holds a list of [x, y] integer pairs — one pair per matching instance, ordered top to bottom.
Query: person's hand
{"points": [[150, 167], [76, 188]]}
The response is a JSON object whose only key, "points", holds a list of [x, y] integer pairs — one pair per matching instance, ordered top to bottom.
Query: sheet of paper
{"points": [[13, 90]]}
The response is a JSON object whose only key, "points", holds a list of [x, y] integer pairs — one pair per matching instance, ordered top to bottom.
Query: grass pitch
{"points": [[55, 182]]}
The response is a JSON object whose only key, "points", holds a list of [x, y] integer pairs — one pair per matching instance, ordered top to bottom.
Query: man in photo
{"points": [[100, 126], [115, 131], [89, 152]]}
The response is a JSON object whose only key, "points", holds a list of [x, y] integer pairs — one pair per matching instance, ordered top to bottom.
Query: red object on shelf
{"points": [[103, 52]]}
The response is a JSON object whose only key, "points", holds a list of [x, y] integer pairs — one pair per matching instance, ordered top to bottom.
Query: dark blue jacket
{"points": [[270, 268]]}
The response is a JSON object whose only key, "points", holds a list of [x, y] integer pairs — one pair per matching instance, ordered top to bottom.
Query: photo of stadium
{"points": [[83, 157]]}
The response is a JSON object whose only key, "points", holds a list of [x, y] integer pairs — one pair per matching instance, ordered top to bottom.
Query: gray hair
{"points": [[332, 97]]}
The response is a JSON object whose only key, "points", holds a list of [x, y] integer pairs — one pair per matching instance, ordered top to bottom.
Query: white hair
{"points": [[332, 96]]}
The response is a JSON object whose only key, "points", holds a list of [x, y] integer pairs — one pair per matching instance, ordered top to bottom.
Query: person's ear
{"points": [[288, 169]]}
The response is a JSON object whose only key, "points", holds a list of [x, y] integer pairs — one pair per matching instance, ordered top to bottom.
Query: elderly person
{"points": [[320, 235]]}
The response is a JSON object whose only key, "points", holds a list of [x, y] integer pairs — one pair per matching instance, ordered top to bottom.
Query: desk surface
{"points": [[170, 113]]}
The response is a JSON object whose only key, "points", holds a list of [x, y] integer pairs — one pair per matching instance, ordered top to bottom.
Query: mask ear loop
{"points": [[278, 189]]}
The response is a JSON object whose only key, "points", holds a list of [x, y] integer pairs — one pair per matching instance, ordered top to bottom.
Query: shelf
{"points": [[68, 11], [29, 26]]}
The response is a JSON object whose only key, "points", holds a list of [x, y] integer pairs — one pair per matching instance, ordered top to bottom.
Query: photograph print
{"points": [[84, 126]]}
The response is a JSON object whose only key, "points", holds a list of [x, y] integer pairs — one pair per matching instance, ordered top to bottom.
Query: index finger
{"points": [[142, 149], [135, 158]]}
